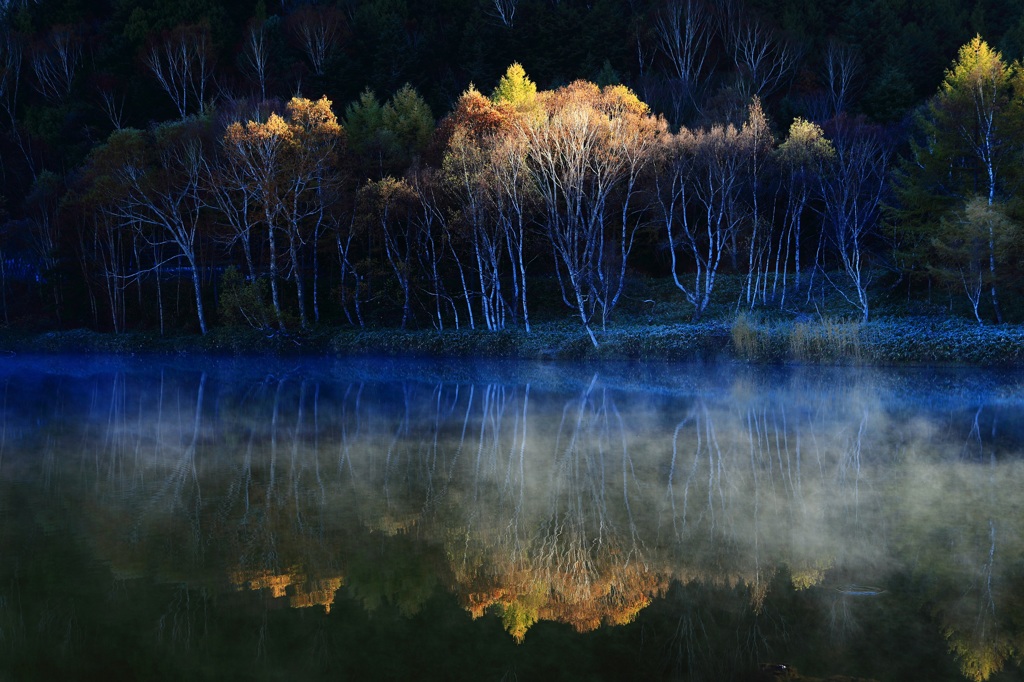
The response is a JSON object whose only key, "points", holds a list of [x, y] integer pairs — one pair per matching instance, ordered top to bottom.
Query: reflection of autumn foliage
{"points": [[463, 490], [391, 524], [810, 574], [611, 589], [299, 590], [614, 597], [981, 641], [979, 659]]}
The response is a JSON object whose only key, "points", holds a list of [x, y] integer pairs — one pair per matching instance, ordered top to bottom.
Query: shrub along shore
{"points": [[892, 341]]}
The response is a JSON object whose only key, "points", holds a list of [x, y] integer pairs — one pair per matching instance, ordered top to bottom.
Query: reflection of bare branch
{"points": [[974, 435], [345, 454], [850, 465], [293, 469], [678, 523], [178, 622], [842, 622]]}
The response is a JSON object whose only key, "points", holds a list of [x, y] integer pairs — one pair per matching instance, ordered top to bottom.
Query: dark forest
{"points": [[173, 167]]}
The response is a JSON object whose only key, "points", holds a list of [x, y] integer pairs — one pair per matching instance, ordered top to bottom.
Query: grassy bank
{"points": [[896, 341]]}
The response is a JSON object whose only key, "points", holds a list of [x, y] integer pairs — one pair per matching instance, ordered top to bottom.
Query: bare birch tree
{"points": [[503, 10], [317, 29], [684, 31], [256, 54], [763, 59], [55, 62], [182, 62], [11, 63], [841, 69], [111, 100], [759, 141], [256, 149], [586, 154], [799, 159], [465, 169], [307, 181], [158, 183], [699, 183], [852, 183], [235, 195], [512, 197], [391, 205], [432, 235]]}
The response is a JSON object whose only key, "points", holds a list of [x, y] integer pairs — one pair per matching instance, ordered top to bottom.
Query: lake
{"points": [[183, 518]]}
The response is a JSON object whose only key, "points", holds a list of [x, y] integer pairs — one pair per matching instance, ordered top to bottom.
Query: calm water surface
{"points": [[263, 519]]}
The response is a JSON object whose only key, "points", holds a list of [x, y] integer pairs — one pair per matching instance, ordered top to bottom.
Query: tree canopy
{"points": [[644, 142]]}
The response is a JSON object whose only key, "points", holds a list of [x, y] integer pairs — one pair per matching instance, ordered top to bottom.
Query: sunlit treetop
{"points": [[976, 64], [516, 89], [618, 99], [611, 101], [478, 115], [314, 116], [757, 124], [275, 127], [805, 144]]}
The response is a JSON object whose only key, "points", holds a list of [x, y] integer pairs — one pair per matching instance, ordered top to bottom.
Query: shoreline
{"points": [[885, 342]]}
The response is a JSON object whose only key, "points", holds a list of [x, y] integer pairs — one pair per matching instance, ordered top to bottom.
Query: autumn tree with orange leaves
{"points": [[587, 153], [287, 164], [468, 172]]}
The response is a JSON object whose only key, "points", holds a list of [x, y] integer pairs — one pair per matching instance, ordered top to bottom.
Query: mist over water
{"points": [[486, 521]]}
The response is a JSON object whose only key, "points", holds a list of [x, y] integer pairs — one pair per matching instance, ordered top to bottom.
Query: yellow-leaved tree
{"points": [[971, 136]]}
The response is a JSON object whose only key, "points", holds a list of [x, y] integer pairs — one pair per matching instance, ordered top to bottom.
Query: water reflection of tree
{"points": [[737, 493], [538, 505], [560, 540], [560, 544], [590, 556], [976, 581]]}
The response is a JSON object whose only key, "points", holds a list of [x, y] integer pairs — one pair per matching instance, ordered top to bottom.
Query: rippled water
{"points": [[262, 519]]}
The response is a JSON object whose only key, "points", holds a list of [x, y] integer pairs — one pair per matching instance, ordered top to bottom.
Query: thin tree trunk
{"points": [[293, 253], [992, 272], [316, 275], [159, 288], [199, 296], [274, 296]]}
